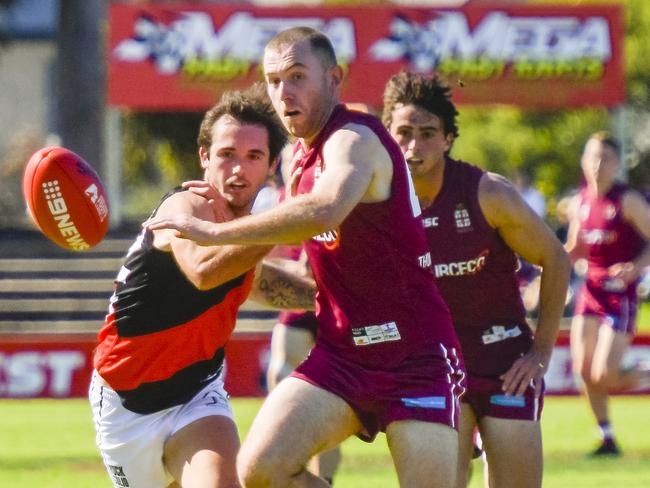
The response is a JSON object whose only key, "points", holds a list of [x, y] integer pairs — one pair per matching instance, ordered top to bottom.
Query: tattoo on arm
{"points": [[280, 289]]}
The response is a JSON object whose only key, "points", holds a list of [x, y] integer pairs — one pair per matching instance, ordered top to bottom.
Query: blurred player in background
{"points": [[477, 223], [610, 226], [385, 357], [160, 409]]}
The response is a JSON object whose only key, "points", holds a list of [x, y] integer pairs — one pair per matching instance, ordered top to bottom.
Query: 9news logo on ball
{"points": [[66, 199]]}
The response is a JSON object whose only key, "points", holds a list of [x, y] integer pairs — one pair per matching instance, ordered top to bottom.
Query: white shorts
{"points": [[132, 444]]}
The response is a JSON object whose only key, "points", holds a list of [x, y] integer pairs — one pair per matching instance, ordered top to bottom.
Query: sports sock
{"points": [[606, 430]]}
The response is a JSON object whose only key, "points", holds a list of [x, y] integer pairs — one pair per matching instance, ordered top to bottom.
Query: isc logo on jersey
{"points": [[59, 210], [430, 222]]}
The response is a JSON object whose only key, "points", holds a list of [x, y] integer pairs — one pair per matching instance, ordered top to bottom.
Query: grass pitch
{"points": [[50, 444]]}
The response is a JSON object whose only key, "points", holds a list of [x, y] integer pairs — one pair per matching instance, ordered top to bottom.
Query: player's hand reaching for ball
{"points": [[185, 226]]}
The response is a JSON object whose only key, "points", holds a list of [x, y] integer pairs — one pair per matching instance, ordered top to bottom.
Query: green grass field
{"points": [[643, 320], [50, 444]]}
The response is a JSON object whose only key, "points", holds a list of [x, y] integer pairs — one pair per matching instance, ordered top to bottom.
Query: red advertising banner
{"points": [[182, 56], [60, 366]]}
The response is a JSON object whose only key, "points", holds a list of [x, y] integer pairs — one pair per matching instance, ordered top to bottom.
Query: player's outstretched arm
{"points": [[351, 158], [527, 235], [205, 267], [278, 285]]}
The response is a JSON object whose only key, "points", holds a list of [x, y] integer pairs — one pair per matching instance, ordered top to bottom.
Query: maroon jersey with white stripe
{"points": [[603, 232], [475, 272], [377, 301]]}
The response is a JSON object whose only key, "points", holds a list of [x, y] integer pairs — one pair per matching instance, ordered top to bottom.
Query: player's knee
{"points": [[585, 373], [606, 379], [254, 469], [250, 472]]}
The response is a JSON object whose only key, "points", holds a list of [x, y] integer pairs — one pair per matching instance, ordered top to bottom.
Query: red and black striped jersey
{"points": [[163, 339]]}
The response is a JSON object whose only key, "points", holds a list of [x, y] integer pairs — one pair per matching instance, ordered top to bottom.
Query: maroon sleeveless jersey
{"points": [[606, 236], [474, 268], [475, 273], [377, 302]]}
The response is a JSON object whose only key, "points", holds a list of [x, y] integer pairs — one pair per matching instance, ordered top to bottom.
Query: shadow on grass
{"points": [[73, 464]]}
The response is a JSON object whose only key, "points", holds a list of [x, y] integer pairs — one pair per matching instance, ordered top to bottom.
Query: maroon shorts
{"points": [[617, 309], [299, 320], [490, 351], [424, 387], [487, 399]]}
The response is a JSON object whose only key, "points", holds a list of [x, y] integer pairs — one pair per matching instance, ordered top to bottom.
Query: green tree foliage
{"points": [[160, 152]]}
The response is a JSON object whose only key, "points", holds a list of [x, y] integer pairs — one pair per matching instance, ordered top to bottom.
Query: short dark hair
{"points": [[319, 43], [427, 92], [251, 106], [608, 140]]}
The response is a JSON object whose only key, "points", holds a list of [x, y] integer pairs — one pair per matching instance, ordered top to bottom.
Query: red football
{"points": [[66, 198]]}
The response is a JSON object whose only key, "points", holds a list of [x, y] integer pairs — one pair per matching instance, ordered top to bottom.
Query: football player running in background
{"points": [[609, 225]]}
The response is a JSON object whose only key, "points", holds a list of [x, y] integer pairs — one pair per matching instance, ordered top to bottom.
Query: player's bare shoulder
{"points": [[357, 139], [358, 146], [499, 200], [636, 211]]}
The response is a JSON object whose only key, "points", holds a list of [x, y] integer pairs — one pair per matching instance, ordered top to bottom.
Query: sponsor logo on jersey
{"points": [[59, 210], [609, 212], [461, 218], [430, 222], [598, 236], [330, 239], [425, 260], [462, 268], [498, 333], [374, 334]]}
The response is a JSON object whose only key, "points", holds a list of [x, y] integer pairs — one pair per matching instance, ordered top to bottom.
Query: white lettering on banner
{"points": [[193, 36], [497, 37], [26, 373]]}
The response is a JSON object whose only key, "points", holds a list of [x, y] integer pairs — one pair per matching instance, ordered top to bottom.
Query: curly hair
{"points": [[427, 92], [251, 106]]}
